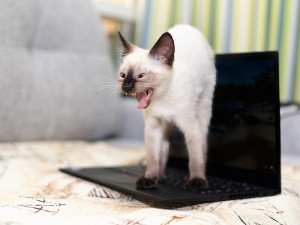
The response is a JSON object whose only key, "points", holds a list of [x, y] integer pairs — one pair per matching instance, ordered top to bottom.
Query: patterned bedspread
{"points": [[33, 191]]}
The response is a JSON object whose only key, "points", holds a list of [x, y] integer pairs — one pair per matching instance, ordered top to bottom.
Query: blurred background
{"points": [[228, 25], [58, 60]]}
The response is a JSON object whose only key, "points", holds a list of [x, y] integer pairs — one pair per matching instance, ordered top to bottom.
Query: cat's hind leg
{"points": [[195, 128], [194, 141], [197, 179]]}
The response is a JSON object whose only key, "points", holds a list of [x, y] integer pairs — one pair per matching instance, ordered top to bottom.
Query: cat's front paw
{"points": [[145, 183], [198, 183]]}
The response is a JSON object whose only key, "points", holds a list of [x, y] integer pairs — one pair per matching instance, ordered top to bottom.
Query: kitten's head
{"points": [[146, 74]]}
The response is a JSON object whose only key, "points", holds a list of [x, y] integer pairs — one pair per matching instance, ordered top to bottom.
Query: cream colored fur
{"points": [[182, 95]]}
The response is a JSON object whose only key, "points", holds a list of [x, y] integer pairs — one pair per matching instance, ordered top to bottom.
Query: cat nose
{"points": [[128, 85]]}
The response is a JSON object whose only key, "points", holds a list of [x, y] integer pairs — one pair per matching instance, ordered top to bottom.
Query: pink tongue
{"points": [[142, 100]]}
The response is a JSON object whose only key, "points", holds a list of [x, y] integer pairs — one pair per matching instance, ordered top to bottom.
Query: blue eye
{"points": [[122, 75], [141, 75]]}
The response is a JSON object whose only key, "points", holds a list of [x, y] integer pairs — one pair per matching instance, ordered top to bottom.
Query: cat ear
{"points": [[127, 46], [164, 49]]}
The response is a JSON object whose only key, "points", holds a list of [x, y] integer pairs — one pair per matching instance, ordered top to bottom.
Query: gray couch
{"points": [[54, 64]]}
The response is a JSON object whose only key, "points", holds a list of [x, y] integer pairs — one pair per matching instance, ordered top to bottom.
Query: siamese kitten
{"points": [[173, 84]]}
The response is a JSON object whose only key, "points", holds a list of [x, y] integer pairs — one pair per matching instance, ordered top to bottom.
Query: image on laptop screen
{"points": [[243, 129]]}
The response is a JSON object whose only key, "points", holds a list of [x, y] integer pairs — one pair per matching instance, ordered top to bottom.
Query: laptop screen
{"points": [[245, 121]]}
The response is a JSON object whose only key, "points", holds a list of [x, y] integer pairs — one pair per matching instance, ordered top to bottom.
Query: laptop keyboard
{"points": [[178, 178]]}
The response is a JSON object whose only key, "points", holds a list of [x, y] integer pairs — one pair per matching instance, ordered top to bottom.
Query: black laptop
{"points": [[244, 140]]}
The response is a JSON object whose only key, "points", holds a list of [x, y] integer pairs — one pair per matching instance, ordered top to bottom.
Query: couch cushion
{"points": [[17, 22], [69, 26], [53, 55]]}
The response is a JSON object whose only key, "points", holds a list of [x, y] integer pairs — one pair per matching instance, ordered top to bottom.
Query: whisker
{"points": [[116, 61], [106, 85], [104, 89], [112, 94]]}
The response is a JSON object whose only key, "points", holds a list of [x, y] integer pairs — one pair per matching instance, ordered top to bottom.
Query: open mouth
{"points": [[143, 98]]}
